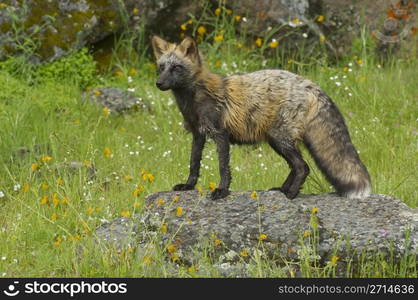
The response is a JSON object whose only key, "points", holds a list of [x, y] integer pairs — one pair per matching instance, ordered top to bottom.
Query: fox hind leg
{"points": [[299, 170]]}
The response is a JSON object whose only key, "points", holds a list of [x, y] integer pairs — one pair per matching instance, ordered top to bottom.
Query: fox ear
{"points": [[159, 46], [189, 48]]}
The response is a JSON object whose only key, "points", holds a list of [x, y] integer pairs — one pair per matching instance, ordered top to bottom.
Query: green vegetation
{"points": [[48, 212]]}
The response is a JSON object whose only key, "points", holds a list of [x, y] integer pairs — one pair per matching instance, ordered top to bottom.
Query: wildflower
{"points": [[135, 11], [217, 11], [228, 11], [237, 18], [320, 19], [190, 21], [295, 21], [183, 27], [201, 30], [414, 30], [305, 35], [218, 38], [322, 39], [259, 42], [273, 44], [239, 45], [360, 62], [218, 63], [345, 69], [118, 74], [97, 93], [106, 111], [107, 153], [46, 159], [34, 167], [148, 177], [127, 178], [60, 181], [44, 186], [212, 186], [16, 187], [138, 190], [1, 194], [254, 195], [176, 199], [45, 200], [55, 200], [65, 200], [160, 202], [90, 210], [314, 210], [179, 211], [125, 214], [54, 216], [164, 228], [306, 234], [74, 237], [262, 237], [57, 242], [217, 242], [171, 248], [244, 253], [147, 260], [334, 260]]}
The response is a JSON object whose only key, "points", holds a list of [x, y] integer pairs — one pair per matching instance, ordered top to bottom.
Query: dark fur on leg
{"points": [[222, 146]]}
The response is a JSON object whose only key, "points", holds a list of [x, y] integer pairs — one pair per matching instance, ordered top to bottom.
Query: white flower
{"points": [[305, 35], [129, 79], [338, 83], [131, 89], [16, 187], [1, 194]]}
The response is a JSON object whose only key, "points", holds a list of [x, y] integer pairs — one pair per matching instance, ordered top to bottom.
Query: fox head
{"points": [[177, 65]]}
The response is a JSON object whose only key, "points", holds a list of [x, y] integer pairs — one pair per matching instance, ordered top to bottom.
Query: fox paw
{"points": [[183, 187], [288, 193], [219, 194]]}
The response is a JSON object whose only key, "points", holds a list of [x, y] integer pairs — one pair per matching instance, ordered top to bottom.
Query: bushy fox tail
{"points": [[328, 141]]}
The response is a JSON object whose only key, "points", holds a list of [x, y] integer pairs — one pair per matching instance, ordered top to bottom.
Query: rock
{"points": [[116, 100], [269, 225]]}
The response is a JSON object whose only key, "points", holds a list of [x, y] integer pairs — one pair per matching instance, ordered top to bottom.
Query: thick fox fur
{"points": [[273, 106]]}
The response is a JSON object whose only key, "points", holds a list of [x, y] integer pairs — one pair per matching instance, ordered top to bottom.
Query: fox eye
{"points": [[160, 68], [176, 68]]}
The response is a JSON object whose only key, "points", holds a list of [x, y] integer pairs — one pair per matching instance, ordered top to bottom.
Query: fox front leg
{"points": [[222, 146], [195, 158]]}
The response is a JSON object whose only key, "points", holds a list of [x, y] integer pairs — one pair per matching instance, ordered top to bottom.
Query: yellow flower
{"points": [[135, 11], [218, 11], [228, 11], [237, 18], [320, 19], [296, 21], [190, 22], [183, 27], [201, 30], [218, 38], [322, 39], [259, 42], [273, 44], [239, 45], [360, 62], [218, 63], [345, 69], [133, 72], [118, 74], [98, 92], [106, 111], [107, 152], [46, 159], [34, 167], [148, 177], [127, 178], [60, 181], [44, 186], [212, 186], [26, 188], [138, 190], [254, 195], [176, 199], [45, 200], [55, 200], [65, 200], [160, 202], [137, 204], [90, 210], [314, 210], [179, 211], [125, 214], [54, 216], [164, 228], [306, 234], [74, 237], [262, 237], [57, 242], [217, 242], [171, 248], [244, 253], [147, 260], [334, 260]]}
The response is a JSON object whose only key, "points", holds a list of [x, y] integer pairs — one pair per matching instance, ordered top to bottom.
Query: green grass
{"points": [[52, 119]]}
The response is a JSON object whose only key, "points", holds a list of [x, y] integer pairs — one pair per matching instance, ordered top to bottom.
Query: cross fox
{"points": [[273, 106]]}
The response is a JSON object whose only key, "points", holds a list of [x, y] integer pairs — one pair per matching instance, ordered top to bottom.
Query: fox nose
{"points": [[159, 84]]}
